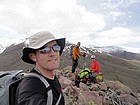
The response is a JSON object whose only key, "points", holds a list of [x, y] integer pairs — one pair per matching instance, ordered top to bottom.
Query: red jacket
{"points": [[95, 66]]}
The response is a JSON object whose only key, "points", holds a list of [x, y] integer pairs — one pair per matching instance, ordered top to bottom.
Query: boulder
{"points": [[64, 82], [89, 98]]}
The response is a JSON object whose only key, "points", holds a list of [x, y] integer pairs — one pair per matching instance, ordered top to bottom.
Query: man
{"points": [[44, 52], [75, 55], [94, 68], [82, 76]]}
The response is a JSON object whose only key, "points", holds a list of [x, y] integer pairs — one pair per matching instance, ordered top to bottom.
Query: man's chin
{"points": [[54, 67]]}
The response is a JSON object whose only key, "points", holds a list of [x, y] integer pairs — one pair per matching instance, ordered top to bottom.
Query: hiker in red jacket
{"points": [[95, 66]]}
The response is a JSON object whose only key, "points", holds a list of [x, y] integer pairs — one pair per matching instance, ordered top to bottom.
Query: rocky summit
{"points": [[101, 93]]}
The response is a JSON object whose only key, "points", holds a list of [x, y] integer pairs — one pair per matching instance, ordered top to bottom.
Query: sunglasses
{"points": [[56, 48]]}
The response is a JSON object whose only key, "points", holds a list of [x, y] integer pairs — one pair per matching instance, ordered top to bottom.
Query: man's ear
{"points": [[32, 56]]}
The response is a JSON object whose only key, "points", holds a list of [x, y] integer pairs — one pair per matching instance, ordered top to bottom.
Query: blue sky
{"points": [[92, 22]]}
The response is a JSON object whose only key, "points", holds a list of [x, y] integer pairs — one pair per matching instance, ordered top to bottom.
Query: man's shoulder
{"points": [[74, 48], [31, 83]]}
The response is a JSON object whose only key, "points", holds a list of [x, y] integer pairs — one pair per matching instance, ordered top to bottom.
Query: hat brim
{"points": [[61, 42], [26, 51], [25, 57]]}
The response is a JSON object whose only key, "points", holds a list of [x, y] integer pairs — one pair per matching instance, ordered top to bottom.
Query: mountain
{"points": [[2, 48], [108, 48], [118, 52], [10, 58], [114, 68]]}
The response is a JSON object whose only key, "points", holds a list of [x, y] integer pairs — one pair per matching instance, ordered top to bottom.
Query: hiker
{"points": [[44, 51], [75, 56], [94, 68], [82, 76]]}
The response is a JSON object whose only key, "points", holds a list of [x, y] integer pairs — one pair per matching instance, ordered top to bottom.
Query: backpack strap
{"points": [[49, 92], [57, 103]]}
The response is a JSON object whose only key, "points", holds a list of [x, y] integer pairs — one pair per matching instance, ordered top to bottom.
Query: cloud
{"points": [[117, 14], [63, 17], [103, 25], [115, 36], [8, 41]]}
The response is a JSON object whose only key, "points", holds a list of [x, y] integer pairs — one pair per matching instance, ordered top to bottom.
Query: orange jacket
{"points": [[76, 52], [95, 66]]}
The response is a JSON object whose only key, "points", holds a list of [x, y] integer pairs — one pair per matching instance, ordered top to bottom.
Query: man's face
{"points": [[78, 45], [93, 59], [47, 61]]}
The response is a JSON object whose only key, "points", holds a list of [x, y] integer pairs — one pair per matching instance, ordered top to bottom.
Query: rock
{"points": [[64, 82], [116, 85], [103, 86], [84, 87], [94, 87], [101, 93], [89, 98], [128, 99]]}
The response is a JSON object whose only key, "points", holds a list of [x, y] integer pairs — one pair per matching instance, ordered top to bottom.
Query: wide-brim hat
{"points": [[37, 41]]}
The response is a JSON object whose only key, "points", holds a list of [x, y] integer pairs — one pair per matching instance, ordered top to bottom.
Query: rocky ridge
{"points": [[101, 93]]}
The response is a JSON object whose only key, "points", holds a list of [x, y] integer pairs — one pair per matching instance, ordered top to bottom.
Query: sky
{"points": [[91, 22]]}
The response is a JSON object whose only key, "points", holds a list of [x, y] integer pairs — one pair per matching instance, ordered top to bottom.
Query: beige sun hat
{"points": [[37, 41]]}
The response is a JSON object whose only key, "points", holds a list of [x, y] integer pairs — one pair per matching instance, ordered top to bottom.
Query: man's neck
{"points": [[46, 73]]}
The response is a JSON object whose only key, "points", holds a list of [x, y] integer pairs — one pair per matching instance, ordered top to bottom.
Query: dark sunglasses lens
{"points": [[56, 48], [45, 50]]}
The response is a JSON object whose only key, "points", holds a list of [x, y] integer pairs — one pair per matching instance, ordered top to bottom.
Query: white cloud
{"points": [[117, 14], [61, 17], [64, 18], [116, 32], [115, 36], [8, 41], [131, 49]]}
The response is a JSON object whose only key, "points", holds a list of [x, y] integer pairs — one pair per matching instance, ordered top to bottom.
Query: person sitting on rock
{"points": [[95, 70], [82, 76]]}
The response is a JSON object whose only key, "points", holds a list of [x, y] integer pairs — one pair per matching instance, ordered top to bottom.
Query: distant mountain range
{"points": [[108, 48], [112, 50], [118, 52]]}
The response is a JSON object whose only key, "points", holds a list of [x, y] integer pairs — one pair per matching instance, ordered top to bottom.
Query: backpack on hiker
{"points": [[70, 49], [83, 73], [86, 75], [82, 76], [9, 81]]}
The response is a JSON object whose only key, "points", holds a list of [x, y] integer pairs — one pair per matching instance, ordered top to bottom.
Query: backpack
{"points": [[70, 49], [83, 73], [9, 81]]}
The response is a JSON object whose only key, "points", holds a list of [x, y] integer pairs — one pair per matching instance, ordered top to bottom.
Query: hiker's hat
{"points": [[37, 41], [78, 44], [93, 57]]}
